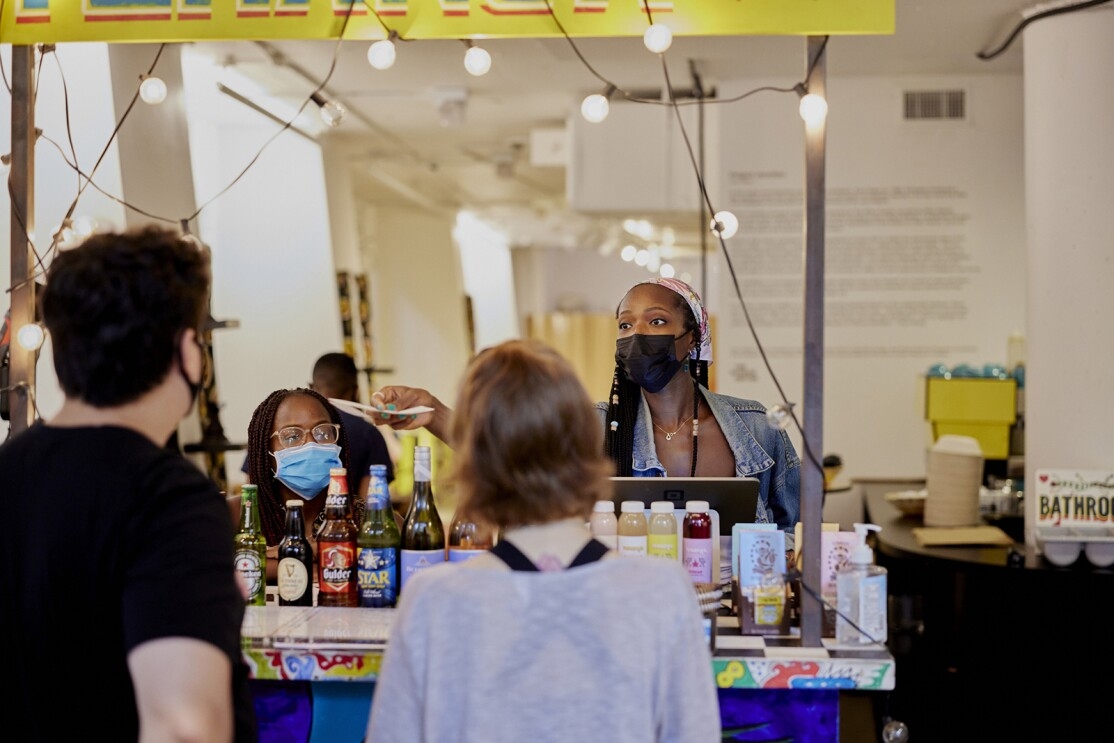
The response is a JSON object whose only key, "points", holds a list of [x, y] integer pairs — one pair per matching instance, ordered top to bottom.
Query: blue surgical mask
{"points": [[305, 469]]}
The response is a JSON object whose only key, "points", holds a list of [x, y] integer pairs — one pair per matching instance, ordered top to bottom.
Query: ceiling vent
{"points": [[935, 104]]}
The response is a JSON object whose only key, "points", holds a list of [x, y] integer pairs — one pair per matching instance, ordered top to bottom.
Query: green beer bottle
{"points": [[251, 547]]}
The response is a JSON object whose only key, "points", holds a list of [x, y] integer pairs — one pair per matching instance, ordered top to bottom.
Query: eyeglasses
{"points": [[323, 433]]}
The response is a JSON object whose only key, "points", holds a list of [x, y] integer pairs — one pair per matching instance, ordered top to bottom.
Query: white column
{"points": [[1069, 179]]}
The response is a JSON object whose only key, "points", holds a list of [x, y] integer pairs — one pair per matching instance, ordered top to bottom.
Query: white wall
{"points": [[84, 68], [485, 260], [273, 267]]}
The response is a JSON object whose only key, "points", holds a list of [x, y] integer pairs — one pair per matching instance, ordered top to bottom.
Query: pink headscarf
{"points": [[704, 351]]}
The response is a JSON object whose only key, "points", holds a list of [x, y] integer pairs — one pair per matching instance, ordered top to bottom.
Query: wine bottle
{"points": [[423, 535], [378, 542]]}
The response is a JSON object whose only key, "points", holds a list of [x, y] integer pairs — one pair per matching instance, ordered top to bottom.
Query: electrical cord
{"points": [[986, 56]]}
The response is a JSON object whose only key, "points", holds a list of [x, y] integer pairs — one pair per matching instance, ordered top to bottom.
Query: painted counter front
{"points": [[770, 687]]}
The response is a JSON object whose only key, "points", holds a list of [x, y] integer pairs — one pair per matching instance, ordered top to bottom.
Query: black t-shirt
{"points": [[111, 541]]}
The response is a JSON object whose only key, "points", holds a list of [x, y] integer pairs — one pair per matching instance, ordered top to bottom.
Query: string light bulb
{"points": [[657, 38], [381, 54], [477, 60], [152, 90], [595, 107], [813, 108], [332, 113], [725, 224], [628, 252], [31, 336], [779, 416]]}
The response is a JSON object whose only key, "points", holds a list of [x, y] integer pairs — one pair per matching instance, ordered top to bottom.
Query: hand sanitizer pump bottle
{"points": [[861, 595]]}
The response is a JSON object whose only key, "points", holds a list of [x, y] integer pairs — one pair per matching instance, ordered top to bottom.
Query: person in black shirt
{"points": [[119, 561]]}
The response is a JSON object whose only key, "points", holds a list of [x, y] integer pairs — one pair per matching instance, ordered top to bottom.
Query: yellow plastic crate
{"points": [[981, 408]]}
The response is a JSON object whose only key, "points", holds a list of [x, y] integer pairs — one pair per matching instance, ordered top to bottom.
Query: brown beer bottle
{"points": [[336, 546]]}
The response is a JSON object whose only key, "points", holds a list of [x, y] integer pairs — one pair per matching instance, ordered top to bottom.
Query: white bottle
{"points": [[603, 523], [861, 595]]}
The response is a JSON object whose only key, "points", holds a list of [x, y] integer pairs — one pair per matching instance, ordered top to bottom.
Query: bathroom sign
{"points": [[1067, 497]]}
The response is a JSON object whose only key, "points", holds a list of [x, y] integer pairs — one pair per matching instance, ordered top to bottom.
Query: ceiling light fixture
{"points": [[657, 38], [381, 54], [477, 60], [595, 107], [332, 113]]}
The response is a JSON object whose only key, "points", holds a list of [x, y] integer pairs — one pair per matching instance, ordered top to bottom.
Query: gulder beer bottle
{"points": [[423, 535], [378, 541], [336, 546], [251, 547], [295, 565]]}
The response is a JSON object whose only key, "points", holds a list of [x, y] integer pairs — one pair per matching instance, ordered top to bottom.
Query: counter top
{"points": [[339, 644]]}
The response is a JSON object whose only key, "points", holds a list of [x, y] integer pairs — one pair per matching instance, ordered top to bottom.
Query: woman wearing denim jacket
{"points": [[662, 421]]}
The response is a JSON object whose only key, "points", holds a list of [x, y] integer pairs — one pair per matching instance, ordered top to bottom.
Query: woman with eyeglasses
{"points": [[295, 437]]}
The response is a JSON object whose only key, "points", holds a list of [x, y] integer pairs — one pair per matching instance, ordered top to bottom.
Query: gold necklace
{"points": [[670, 434]]}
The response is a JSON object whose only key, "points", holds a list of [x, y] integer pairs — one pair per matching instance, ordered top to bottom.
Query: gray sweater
{"points": [[612, 651]]}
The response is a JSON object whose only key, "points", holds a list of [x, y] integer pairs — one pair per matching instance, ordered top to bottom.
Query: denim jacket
{"points": [[761, 451]]}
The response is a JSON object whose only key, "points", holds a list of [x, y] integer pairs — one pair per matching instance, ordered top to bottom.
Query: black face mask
{"points": [[649, 360], [194, 387]]}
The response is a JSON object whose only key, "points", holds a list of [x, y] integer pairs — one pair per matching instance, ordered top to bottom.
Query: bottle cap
{"points": [[377, 469], [337, 471], [293, 504], [604, 506], [633, 506], [661, 506], [697, 506], [863, 554]]}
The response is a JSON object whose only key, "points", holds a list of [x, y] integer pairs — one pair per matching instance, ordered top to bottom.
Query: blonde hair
{"points": [[528, 441]]}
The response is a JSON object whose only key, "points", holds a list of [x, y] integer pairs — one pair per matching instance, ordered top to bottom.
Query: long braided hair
{"points": [[625, 399], [261, 465]]}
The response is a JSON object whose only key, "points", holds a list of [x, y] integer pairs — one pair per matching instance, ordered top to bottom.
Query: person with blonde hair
{"points": [[549, 636]]}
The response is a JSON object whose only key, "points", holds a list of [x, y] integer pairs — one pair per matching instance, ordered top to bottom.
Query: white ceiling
{"points": [[404, 151]]}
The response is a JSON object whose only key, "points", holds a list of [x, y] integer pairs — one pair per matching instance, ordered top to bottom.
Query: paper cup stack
{"points": [[954, 476]]}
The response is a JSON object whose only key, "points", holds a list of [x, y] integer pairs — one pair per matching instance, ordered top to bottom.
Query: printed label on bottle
{"points": [[338, 500], [632, 545], [662, 545], [456, 554], [698, 559], [413, 561], [337, 562], [250, 567], [378, 576], [293, 579], [872, 607]]}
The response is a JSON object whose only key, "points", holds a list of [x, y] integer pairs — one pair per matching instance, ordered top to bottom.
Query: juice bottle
{"points": [[603, 524], [632, 528], [662, 530], [697, 546]]}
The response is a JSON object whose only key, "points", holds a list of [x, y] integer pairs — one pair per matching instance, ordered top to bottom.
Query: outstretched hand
{"points": [[398, 397]]}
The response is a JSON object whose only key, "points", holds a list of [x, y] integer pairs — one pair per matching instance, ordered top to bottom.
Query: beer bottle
{"points": [[423, 535], [467, 537], [378, 541], [336, 546], [251, 547], [295, 566]]}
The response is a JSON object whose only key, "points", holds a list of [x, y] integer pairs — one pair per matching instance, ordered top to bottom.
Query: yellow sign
{"points": [[50, 21]]}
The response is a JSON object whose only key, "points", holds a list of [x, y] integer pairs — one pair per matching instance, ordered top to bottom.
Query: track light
{"points": [[657, 38], [381, 54], [477, 60], [152, 90], [595, 107], [813, 108], [332, 113]]}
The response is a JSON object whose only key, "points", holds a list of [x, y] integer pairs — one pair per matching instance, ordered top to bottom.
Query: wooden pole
{"points": [[21, 182]]}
